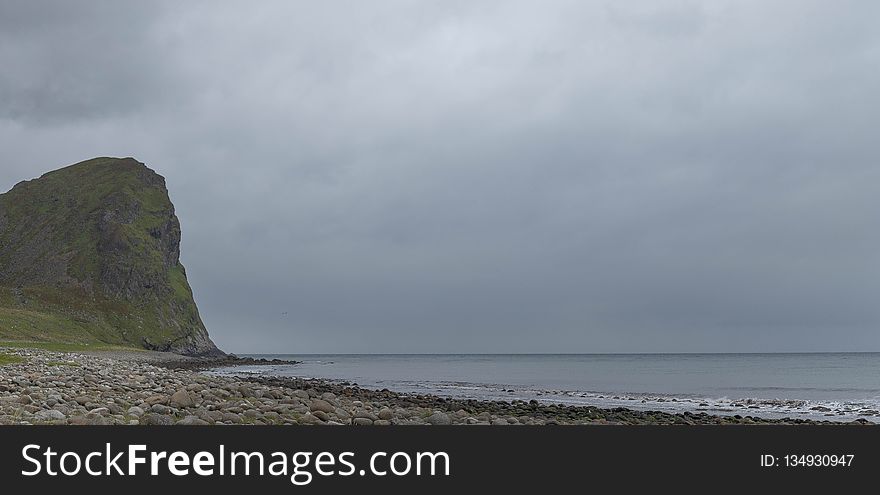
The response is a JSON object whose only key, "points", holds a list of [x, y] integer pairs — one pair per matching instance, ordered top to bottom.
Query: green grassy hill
{"points": [[90, 254]]}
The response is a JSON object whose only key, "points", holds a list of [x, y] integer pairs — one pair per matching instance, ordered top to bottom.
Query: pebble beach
{"points": [[143, 388]]}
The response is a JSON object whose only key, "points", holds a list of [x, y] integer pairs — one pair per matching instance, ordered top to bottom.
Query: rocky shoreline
{"points": [[202, 364], [44, 387]]}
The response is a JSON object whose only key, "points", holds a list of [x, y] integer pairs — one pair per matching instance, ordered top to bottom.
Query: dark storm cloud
{"points": [[483, 176]]}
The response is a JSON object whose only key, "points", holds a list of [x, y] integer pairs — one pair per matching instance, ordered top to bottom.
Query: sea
{"points": [[818, 386]]}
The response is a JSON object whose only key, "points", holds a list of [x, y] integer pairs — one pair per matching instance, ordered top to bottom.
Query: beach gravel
{"points": [[132, 388]]}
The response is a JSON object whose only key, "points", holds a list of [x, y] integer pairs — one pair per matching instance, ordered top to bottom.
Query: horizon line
{"points": [[544, 353]]}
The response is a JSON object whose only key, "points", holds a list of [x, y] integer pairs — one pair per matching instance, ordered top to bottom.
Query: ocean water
{"points": [[838, 386]]}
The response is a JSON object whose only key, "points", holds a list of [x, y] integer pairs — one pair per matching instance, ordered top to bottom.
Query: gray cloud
{"points": [[67, 62], [483, 176]]}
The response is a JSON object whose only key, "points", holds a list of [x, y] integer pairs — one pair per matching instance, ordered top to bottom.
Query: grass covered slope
{"points": [[91, 254]]}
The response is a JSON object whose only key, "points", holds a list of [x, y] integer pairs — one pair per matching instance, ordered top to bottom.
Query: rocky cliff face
{"points": [[95, 247]]}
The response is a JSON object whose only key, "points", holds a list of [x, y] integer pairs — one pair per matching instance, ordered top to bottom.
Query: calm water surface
{"points": [[816, 385]]}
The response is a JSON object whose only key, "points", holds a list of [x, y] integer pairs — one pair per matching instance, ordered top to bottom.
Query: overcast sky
{"points": [[466, 176]]}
